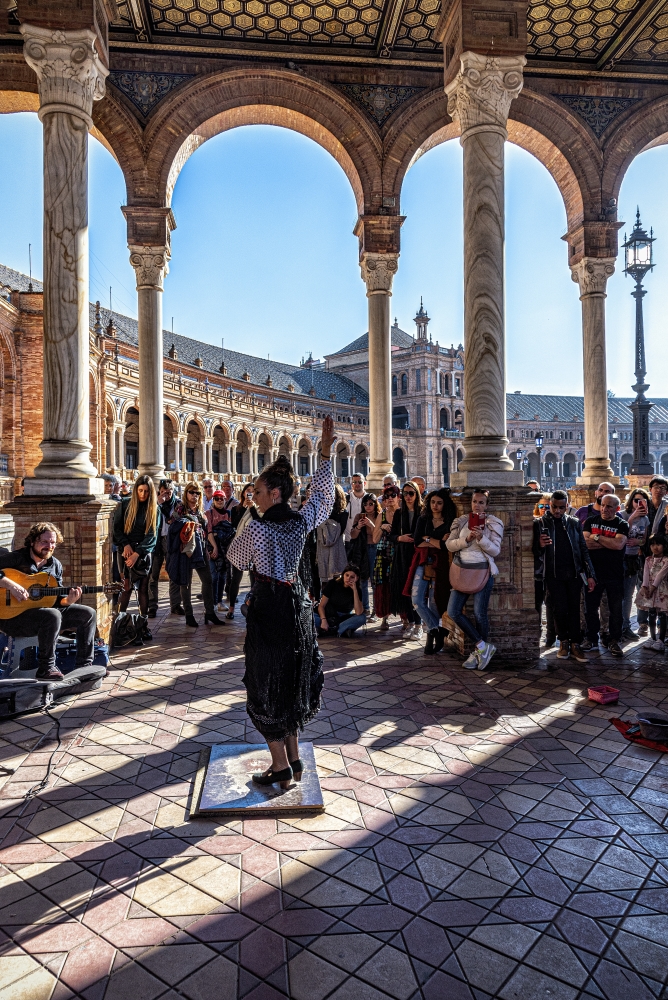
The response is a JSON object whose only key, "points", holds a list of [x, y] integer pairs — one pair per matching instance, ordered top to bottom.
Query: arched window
{"points": [[404, 384], [446, 384], [394, 385], [400, 419], [444, 419], [445, 467], [399, 468]]}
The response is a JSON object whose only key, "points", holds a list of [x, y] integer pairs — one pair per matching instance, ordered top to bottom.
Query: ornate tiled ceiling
{"points": [[602, 32]]}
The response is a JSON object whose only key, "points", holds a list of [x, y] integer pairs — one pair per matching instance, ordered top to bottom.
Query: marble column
{"points": [[70, 77], [479, 98], [151, 265], [378, 270], [591, 274]]}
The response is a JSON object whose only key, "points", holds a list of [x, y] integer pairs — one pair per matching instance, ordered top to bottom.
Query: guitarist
{"points": [[37, 556]]}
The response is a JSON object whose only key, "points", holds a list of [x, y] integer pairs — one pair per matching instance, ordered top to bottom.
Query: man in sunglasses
{"points": [[562, 563]]}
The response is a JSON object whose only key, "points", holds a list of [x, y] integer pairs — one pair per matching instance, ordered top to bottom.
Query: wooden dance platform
{"points": [[223, 785]]}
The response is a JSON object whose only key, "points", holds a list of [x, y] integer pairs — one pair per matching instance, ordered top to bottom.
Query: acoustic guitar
{"points": [[43, 592]]}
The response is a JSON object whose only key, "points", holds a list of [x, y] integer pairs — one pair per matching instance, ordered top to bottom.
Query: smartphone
{"points": [[476, 520]]}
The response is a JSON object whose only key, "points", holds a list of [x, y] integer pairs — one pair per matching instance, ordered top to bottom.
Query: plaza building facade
{"points": [[228, 414]]}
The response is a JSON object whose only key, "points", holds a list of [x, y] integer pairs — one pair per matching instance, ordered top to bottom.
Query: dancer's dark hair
{"points": [[279, 476]]}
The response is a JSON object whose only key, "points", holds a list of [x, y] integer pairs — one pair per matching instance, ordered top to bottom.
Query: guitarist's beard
{"points": [[43, 554]]}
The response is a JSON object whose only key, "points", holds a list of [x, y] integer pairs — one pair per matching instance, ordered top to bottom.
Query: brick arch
{"points": [[219, 101], [538, 124], [643, 129]]}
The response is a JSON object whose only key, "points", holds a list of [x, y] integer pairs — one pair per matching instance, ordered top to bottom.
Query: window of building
{"points": [[418, 379], [429, 379], [404, 384], [394, 385], [458, 387], [418, 415], [429, 416], [400, 419], [444, 419], [131, 454], [190, 459], [261, 459], [215, 461], [240, 462], [431, 463], [303, 466], [344, 467], [399, 467]]}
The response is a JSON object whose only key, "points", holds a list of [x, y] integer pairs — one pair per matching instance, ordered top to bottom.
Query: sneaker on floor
{"points": [[221, 607], [177, 611], [152, 613], [372, 618], [384, 625], [643, 630], [407, 631], [419, 633], [629, 635], [604, 639], [550, 640], [587, 644], [648, 646], [659, 646], [564, 649], [615, 649], [577, 654], [485, 655], [471, 662]]}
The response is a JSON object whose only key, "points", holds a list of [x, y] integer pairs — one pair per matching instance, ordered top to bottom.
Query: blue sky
{"points": [[264, 256]]}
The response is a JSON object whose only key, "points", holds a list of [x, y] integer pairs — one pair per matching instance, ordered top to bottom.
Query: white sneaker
{"points": [[222, 607], [419, 632], [659, 646], [485, 654], [471, 663]]}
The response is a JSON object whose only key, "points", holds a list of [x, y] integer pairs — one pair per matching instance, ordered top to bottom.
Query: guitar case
{"points": [[32, 694]]}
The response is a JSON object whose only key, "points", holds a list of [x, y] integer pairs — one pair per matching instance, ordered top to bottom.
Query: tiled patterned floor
{"points": [[486, 835]]}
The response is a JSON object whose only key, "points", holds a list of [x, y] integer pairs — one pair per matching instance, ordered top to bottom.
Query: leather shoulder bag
{"points": [[468, 579]]}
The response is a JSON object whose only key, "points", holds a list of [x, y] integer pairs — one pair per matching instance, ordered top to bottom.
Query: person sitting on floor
{"points": [[341, 611]]}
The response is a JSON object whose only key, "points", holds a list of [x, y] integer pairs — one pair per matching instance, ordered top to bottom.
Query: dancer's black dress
{"points": [[283, 677]]}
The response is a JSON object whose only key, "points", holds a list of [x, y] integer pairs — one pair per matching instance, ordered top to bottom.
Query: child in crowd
{"points": [[653, 595]]}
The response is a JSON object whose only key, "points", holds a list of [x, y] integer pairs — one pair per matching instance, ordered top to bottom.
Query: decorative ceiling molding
{"points": [[145, 90], [379, 100], [597, 112]]}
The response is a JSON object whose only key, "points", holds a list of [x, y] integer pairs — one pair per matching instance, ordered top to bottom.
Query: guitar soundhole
{"points": [[34, 594]]}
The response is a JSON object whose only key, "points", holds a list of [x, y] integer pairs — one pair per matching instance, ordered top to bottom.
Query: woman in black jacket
{"points": [[243, 511], [136, 523], [403, 528], [430, 586]]}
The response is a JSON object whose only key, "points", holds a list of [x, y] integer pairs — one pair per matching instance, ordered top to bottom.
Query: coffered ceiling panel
{"points": [[598, 32]]}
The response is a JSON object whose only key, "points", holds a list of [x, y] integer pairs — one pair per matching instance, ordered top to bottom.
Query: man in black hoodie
{"points": [[562, 561]]}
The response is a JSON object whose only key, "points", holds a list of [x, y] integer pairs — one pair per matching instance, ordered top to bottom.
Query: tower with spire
{"points": [[421, 322]]}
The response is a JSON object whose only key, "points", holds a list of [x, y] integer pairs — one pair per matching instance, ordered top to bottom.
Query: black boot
{"points": [[212, 619], [192, 621], [440, 639], [429, 645]]}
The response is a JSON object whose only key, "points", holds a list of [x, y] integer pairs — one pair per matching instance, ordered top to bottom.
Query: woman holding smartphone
{"points": [[636, 513], [475, 539]]}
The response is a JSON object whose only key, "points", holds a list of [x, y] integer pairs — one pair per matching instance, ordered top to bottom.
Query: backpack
{"points": [[126, 628]]}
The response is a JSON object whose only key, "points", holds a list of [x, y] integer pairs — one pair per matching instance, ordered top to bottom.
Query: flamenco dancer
{"points": [[283, 677]]}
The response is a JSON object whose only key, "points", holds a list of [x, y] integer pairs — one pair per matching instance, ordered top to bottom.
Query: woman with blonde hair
{"points": [[136, 523], [188, 551]]}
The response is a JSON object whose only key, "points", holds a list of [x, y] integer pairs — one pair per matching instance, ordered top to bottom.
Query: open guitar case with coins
{"points": [[22, 691]]}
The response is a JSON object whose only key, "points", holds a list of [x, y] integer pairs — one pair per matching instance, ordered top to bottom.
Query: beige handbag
{"points": [[468, 579]]}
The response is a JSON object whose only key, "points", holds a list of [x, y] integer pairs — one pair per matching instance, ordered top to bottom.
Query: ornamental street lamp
{"points": [[639, 260], [615, 438], [539, 448]]}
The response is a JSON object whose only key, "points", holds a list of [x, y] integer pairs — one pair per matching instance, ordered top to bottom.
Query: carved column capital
{"points": [[70, 73], [481, 93], [151, 264], [378, 271], [592, 274]]}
